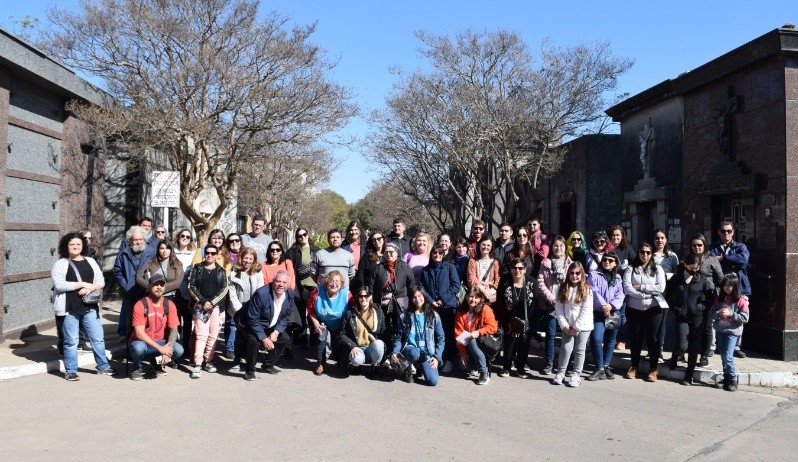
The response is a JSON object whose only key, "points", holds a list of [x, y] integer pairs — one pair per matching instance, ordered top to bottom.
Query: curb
{"points": [[85, 358]]}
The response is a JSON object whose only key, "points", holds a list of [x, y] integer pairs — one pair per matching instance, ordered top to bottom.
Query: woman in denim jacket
{"points": [[419, 339]]}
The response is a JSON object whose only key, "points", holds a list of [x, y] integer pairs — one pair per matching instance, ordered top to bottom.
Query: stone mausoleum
{"points": [[721, 143]]}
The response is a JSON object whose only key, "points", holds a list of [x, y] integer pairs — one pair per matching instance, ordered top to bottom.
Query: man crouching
{"points": [[153, 316]]}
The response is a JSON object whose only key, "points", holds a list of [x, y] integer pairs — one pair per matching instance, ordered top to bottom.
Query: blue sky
{"points": [[664, 39]]}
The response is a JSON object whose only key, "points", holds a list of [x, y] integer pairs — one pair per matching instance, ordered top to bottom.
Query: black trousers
{"points": [[644, 325], [690, 340], [253, 347], [516, 348]]}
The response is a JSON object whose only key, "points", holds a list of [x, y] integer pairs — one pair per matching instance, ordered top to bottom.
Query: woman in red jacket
{"points": [[474, 319]]}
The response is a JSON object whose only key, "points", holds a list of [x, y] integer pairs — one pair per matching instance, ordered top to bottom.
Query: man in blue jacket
{"points": [[733, 257], [130, 258], [264, 321]]}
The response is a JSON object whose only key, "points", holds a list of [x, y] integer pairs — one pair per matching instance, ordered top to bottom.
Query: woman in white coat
{"points": [[573, 310]]}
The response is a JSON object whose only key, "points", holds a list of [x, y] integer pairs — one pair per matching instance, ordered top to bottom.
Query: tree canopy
{"points": [[205, 83]]}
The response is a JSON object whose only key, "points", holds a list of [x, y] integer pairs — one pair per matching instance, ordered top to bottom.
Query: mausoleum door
{"points": [[736, 208]]}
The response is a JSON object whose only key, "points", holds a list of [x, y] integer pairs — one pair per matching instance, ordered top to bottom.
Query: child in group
{"points": [[574, 313], [728, 315]]}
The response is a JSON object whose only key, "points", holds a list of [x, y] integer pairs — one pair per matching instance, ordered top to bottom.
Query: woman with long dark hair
{"points": [[185, 251], [625, 253], [301, 254], [276, 260], [165, 263], [74, 278], [644, 284], [208, 286], [518, 296], [574, 312], [473, 319], [419, 339]]}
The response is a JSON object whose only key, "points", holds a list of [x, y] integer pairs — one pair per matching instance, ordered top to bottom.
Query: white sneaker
{"points": [[209, 367], [447, 367], [197, 372], [558, 378], [575, 380]]}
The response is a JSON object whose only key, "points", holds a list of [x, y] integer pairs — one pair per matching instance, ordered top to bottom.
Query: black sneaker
{"points": [[229, 354], [739, 354], [704, 362], [673, 363], [548, 369], [271, 370], [110, 372], [504, 373], [608, 373], [137, 374], [409, 375], [598, 375], [71, 376], [249, 376], [484, 378], [687, 381], [731, 385]]}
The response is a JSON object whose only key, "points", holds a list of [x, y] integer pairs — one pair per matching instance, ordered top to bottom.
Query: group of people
{"points": [[423, 307]]}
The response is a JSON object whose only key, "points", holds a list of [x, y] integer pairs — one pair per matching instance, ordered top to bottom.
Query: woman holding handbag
{"points": [[483, 271], [607, 286], [77, 289], [519, 298]]}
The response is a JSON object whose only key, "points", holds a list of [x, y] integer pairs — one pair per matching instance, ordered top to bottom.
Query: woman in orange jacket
{"points": [[474, 319]]}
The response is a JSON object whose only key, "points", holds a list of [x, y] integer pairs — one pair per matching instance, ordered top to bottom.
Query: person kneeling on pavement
{"points": [[153, 316], [264, 320], [363, 324], [419, 340]]}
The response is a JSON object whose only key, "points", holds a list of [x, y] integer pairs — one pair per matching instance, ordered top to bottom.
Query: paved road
{"points": [[297, 416]]}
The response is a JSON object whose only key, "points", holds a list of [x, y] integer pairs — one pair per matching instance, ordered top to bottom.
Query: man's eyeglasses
{"points": [[726, 231], [210, 253]]}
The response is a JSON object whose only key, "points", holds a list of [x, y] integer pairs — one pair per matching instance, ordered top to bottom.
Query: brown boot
{"points": [[632, 373], [652, 376]]}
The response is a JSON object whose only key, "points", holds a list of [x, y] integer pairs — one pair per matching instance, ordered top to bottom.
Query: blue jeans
{"points": [[90, 321], [549, 325], [230, 333], [602, 341], [726, 343], [140, 351], [373, 352], [413, 354], [476, 355]]}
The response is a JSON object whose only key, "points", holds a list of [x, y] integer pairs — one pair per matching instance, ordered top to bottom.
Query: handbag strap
{"points": [[490, 268], [75, 269], [365, 324]]}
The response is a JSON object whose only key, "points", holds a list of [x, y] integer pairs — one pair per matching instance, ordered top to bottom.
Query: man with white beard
{"points": [[128, 261]]}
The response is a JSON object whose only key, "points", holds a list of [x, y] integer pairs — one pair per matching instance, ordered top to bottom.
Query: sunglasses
{"points": [[478, 228], [726, 231], [301, 235], [522, 235], [185, 236], [576, 239], [233, 240], [600, 241], [276, 250], [645, 252], [436, 253], [207, 254], [607, 260], [519, 268], [575, 273], [363, 295]]}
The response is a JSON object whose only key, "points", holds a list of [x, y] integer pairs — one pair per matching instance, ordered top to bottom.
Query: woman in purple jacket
{"points": [[607, 286]]}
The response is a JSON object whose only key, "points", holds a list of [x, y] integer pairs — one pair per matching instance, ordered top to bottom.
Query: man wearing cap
{"points": [[263, 322], [155, 325]]}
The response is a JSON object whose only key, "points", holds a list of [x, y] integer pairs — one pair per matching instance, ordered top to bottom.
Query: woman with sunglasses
{"points": [[216, 238], [598, 245], [576, 247], [232, 249], [524, 250], [184, 251], [301, 254], [277, 260], [710, 268], [550, 278], [440, 284], [644, 284], [208, 286], [607, 286], [518, 296], [574, 312], [359, 337], [419, 339]]}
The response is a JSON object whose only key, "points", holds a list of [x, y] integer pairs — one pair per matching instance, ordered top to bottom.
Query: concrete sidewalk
{"points": [[37, 354]]}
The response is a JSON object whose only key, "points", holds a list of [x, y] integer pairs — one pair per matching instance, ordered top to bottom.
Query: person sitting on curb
{"points": [[153, 316]]}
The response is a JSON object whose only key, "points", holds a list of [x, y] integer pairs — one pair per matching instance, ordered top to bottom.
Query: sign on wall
{"points": [[166, 189]]}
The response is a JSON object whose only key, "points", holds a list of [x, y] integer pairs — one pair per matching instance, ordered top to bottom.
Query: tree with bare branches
{"points": [[205, 83], [463, 137]]}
